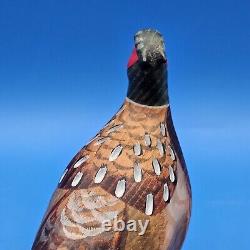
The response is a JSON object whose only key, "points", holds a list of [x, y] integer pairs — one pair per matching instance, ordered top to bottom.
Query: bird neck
{"points": [[148, 85]]}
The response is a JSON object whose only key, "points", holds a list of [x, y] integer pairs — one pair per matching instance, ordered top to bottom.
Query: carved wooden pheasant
{"points": [[132, 171]]}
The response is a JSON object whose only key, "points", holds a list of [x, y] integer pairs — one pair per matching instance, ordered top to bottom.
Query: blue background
{"points": [[63, 75]]}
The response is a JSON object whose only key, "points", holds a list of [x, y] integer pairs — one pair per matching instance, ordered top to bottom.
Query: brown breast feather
{"points": [[128, 128]]}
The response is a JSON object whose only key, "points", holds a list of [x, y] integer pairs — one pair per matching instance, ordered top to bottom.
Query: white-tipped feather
{"points": [[115, 128], [163, 129], [147, 140], [160, 147], [137, 149], [115, 153], [172, 154], [81, 161], [156, 166], [137, 172], [64, 173], [100, 174], [171, 174], [77, 179], [120, 188], [165, 192], [149, 204]]}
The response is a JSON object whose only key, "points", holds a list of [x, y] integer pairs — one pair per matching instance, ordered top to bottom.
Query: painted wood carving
{"points": [[128, 188]]}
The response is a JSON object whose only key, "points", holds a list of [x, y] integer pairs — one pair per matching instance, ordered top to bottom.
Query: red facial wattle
{"points": [[133, 58]]}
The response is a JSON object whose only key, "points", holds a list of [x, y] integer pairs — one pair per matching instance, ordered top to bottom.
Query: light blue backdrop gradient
{"points": [[63, 75]]}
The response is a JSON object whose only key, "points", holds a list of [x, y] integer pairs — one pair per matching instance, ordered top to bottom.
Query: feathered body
{"points": [[132, 170]]}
